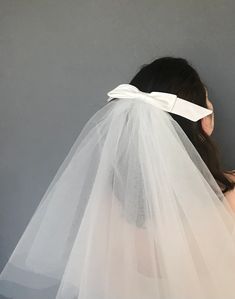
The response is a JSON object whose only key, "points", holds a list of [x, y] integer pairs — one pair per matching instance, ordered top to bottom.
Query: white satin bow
{"points": [[165, 101]]}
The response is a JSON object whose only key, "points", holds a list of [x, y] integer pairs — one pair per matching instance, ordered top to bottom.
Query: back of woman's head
{"points": [[177, 76]]}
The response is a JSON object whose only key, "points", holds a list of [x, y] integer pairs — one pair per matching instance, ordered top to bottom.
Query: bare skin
{"points": [[208, 126], [230, 195]]}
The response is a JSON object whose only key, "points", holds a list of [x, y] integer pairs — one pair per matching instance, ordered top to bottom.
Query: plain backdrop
{"points": [[58, 60]]}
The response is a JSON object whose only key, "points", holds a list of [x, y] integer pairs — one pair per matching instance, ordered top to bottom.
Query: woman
{"points": [[177, 76], [134, 211]]}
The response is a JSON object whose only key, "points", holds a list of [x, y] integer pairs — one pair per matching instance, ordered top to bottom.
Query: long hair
{"points": [[177, 76]]}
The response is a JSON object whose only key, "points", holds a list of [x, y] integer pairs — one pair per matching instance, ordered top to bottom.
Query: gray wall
{"points": [[60, 58]]}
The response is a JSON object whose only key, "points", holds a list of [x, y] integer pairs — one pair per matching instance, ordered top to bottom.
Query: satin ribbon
{"points": [[165, 101]]}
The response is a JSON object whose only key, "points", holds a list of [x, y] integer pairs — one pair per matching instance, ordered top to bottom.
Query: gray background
{"points": [[58, 59]]}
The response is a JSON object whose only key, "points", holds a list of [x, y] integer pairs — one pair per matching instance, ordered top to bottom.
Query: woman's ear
{"points": [[207, 124]]}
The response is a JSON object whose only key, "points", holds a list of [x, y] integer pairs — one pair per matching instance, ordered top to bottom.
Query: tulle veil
{"points": [[133, 212]]}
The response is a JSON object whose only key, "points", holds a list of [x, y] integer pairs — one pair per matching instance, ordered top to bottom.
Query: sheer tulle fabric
{"points": [[133, 212]]}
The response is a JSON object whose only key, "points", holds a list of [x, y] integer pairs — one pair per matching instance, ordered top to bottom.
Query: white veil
{"points": [[132, 213]]}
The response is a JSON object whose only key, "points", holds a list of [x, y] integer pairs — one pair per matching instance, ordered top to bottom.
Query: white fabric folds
{"points": [[163, 100], [132, 213]]}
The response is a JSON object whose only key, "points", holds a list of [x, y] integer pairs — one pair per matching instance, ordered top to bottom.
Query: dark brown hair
{"points": [[177, 76]]}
